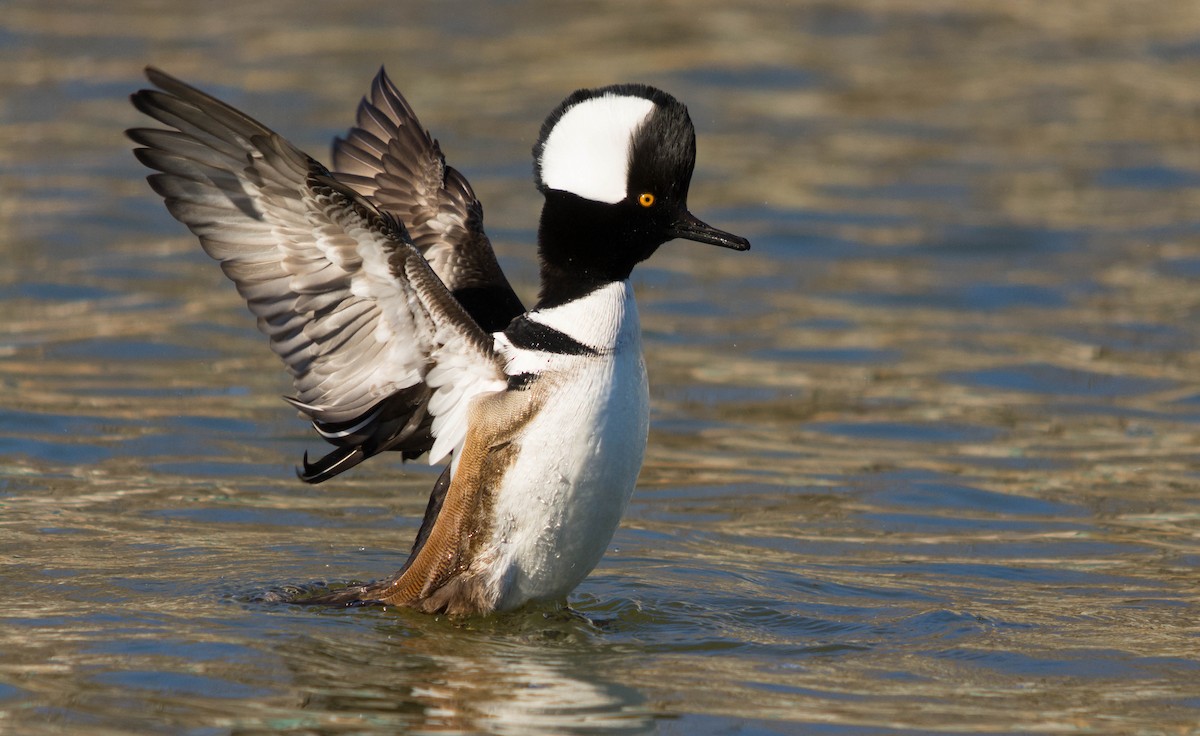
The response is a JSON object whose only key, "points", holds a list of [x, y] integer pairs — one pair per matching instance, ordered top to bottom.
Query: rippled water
{"points": [[926, 458]]}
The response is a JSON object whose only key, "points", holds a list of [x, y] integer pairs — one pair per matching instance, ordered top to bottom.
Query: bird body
{"points": [[378, 288], [584, 446]]}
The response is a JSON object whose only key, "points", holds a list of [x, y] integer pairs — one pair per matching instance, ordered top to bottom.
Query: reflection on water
{"points": [[924, 459], [507, 679]]}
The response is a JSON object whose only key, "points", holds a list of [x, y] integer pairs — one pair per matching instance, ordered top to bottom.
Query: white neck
{"points": [[600, 320], [606, 320]]}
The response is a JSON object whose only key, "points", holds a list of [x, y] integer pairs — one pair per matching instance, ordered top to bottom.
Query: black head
{"points": [[614, 165]]}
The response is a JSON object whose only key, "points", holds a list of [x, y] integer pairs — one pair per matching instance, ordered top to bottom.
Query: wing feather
{"points": [[392, 161], [350, 305]]}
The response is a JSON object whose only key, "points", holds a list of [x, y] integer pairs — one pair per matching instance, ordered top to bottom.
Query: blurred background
{"points": [[925, 459]]}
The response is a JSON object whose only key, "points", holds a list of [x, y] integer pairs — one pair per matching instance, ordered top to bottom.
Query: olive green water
{"points": [[926, 459]]}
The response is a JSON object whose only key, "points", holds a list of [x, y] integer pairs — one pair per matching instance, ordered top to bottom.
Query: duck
{"points": [[377, 286]]}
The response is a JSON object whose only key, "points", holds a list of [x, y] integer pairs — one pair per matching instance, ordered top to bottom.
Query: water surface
{"points": [[925, 459]]}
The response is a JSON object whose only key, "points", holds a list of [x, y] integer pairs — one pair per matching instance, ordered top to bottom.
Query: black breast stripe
{"points": [[528, 334], [521, 381]]}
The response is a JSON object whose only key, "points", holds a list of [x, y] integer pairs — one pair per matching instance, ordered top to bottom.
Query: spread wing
{"points": [[393, 162], [379, 350]]}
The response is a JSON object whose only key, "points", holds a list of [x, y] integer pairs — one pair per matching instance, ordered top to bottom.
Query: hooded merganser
{"points": [[379, 289]]}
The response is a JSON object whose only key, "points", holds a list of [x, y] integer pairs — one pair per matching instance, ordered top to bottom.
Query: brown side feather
{"points": [[450, 573]]}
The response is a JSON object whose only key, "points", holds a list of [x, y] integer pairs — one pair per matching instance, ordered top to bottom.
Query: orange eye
{"points": [[646, 199]]}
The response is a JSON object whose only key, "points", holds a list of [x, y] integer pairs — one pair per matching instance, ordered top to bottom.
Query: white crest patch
{"points": [[587, 151]]}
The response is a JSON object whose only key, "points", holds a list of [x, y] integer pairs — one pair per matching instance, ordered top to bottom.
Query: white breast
{"points": [[561, 501]]}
